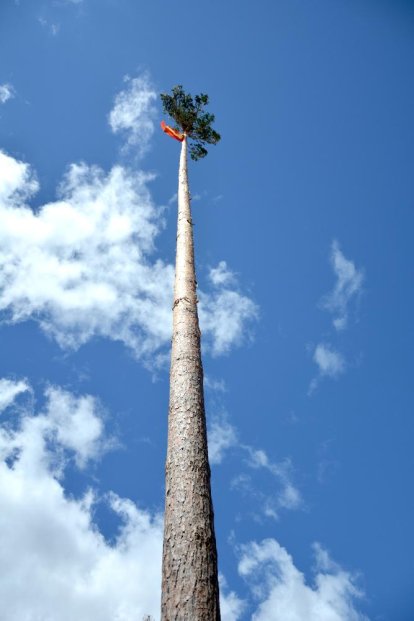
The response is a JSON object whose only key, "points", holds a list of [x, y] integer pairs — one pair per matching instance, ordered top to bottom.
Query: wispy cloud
{"points": [[63, 3], [52, 27], [6, 92], [133, 113], [173, 199], [347, 287], [330, 362], [214, 384], [222, 436], [223, 439], [268, 496], [285, 496], [289, 497], [281, 591]]}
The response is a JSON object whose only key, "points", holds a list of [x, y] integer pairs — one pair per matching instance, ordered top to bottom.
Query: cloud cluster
{"points": [[6, 92], [80, 265], [83, 266], [55, 562], [282, 591]]}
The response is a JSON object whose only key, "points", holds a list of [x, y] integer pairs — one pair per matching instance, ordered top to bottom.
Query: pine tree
{"points": [[190, 590]]}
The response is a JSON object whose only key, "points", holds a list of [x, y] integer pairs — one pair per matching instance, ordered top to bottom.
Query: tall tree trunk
{"points": [[190, 590]]}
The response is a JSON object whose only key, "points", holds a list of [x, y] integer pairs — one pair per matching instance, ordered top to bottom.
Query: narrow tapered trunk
{"points": [[190, 589]]}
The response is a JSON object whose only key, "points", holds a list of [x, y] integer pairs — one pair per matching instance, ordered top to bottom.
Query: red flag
{"points": [[172, 132]]}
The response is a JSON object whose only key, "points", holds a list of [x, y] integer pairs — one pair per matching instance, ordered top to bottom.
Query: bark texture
{"points": [[190, 590]]}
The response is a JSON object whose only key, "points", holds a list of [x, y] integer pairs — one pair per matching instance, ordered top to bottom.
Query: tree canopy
{"points": [[190, 118]]}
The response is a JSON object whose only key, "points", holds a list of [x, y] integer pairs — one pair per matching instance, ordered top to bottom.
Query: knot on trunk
{"points": [[178, 300]]}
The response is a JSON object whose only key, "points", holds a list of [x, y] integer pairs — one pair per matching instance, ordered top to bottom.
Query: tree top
{"points": [[190, 118]]}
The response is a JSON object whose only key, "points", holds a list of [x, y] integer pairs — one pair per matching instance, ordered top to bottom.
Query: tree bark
{"points": [[190, 590]]}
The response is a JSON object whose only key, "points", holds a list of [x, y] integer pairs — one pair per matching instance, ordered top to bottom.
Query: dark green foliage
{"points": [[190, 118]]}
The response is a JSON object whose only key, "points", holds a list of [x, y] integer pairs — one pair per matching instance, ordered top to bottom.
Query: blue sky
{"points": [[303, 222]]}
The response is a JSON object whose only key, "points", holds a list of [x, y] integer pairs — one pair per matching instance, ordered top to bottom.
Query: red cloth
{"points": [[172, 132]]}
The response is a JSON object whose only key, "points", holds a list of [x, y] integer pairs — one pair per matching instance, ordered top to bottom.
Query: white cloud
{"points": [[6, 93], [134, 111], [17, 181], [173, 199], [81, 266], [221, 275], [348, 285], [225, 314], [330, 363], [214, 385], [9, 390], [72, 423], [76, 424], [221, 437], [281, 494], [268, 495], [288, 496], [266, 499], [55, 562], [284, 595], [231, 606]]}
